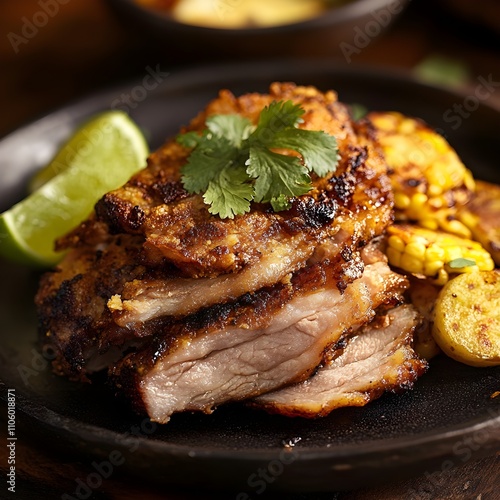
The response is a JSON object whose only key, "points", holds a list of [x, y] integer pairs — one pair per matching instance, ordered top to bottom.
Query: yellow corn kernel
{"points": [[385, 121], [407, 126], [438, 142], [425, 168], [469, 181], [435, 190], [419, 199], [401, 201], [437, 202], [469, 219], [429, 224], [456, 227], [418, 238], [397, 243], [416, 249], [421, 251], [454, 252], [434, 253], [394, 256], [485, 263], [411, 264], [432, 268], [442, 278]]}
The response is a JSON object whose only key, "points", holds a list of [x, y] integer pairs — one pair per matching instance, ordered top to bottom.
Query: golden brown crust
{"points": [[179, 227], [151, 229]]}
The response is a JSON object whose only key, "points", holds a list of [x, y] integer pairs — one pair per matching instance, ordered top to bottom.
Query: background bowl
{"points": [[350, 27]]}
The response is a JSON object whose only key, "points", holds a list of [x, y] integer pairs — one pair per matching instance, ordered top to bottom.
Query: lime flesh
{"points": [[100, 157]]}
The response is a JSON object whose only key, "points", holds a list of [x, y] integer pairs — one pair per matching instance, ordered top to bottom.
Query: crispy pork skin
{"points": [[377, 359], [234, 361]]}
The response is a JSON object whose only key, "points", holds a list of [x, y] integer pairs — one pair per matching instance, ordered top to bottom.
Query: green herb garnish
{"points": [[234, 163], [460, 263]]}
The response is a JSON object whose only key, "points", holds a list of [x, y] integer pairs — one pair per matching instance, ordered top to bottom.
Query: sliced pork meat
{"points": [[152, 251], [144, 299], [187, 310], [377, 359], [229, 363]]}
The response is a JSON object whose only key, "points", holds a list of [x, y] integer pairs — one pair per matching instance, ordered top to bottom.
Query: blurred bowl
{"points": [[344, 30]]}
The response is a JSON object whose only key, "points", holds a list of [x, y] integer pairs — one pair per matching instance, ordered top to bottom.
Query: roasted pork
{"points": [[187, 310], [235, 359], [377, 359]]}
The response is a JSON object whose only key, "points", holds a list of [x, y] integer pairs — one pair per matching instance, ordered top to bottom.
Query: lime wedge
{"points": [[101, 156]]}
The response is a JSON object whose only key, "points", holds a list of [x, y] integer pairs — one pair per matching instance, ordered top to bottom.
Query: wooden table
{"points": [[83, 48]]}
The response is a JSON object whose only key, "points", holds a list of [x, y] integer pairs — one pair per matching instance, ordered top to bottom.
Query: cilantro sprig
{"points": [[233, 162]]}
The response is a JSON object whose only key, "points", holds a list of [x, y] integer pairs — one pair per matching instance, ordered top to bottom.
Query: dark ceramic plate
{"points": [[449, 417]]}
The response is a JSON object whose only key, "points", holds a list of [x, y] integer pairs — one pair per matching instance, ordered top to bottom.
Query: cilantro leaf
{"points": [[278, 116], [234, 128], [277, 129], [189, 139], [318, 150], [212, 155], [233, 162], [276, 175], [230, 193], [282, 202], [460, 263]]}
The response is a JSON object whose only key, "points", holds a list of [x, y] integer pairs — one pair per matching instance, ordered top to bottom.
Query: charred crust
{"points": [[358, 158], [344, 186], [168, 192], [314, 213], [120, 216], [203, 232], [63, 302], [126, 381]]}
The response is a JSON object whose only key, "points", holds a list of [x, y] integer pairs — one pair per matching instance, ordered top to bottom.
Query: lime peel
{"points": [[99, 157]]}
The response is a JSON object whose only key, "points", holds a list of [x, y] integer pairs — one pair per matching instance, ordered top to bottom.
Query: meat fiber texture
{"points": [[187, 310]]}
